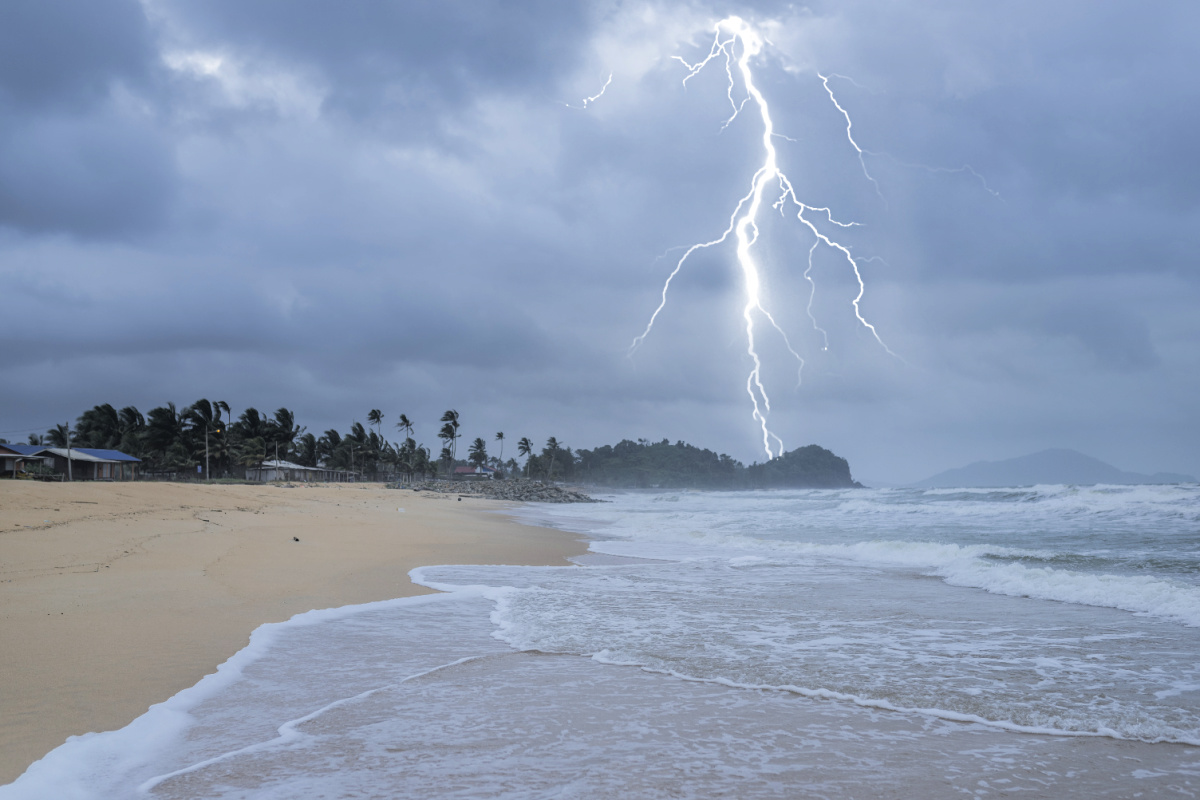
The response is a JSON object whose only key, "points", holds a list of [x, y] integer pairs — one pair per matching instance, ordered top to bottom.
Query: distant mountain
{"points": [[1048, 466]]}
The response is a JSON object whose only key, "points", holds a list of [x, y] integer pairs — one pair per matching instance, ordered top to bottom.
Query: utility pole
{"points": [[70, 474]]}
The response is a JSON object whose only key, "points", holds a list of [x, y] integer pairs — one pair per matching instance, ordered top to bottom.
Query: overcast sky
{"points": [[408, 206]]}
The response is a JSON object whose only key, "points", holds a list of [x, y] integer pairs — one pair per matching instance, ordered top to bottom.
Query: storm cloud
{"points": [[406, 206]]}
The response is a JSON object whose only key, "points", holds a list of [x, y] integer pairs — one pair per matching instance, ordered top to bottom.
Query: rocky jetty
{"points": [[520, 491]]}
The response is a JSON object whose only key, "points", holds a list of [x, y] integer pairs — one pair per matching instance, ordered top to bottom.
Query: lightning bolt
{"points": [[594, 97], [850, 133], [861, 151], [743, 222]]}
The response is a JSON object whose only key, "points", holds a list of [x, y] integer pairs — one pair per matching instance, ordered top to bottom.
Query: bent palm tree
{"points": [[451, 419], [405, 424], [500, 439], [553, 447], [525, 448], [478, 452]]}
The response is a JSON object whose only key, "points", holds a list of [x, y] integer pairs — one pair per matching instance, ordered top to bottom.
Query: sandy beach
{"points": [[116, 596]]}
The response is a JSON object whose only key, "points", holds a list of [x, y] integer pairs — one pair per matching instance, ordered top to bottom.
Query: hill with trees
{"points": [[643, 464]]}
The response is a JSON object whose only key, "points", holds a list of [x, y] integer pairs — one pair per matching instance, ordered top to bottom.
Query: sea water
{"points": [[1040, 642]]}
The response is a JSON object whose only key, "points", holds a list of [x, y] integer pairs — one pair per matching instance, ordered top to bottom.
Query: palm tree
{"points": [[375, 417], [450, 418], [204, 421], [405, 424], [165, 426], [100, 427], [133, 427], [284, 430], [59, 435], [447, 435], [500, 439], [552, 446], [525, 448], [329, 449], [306, 450], [478, 452]]}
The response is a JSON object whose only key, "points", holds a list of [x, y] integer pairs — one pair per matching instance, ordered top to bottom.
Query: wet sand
{"points": [[116, 596]]}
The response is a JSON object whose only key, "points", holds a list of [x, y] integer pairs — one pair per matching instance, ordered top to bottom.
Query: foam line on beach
{"points": [[288, 732], [67, 772]]}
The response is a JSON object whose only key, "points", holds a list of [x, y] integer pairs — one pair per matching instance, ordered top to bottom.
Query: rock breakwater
{"points": [[519, 491]]}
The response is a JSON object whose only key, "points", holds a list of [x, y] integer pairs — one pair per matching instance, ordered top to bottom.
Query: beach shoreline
{"points": [[116, 596]]}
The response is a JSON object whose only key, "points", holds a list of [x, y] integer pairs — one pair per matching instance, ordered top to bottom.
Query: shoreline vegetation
{"points": [[205, 441], [116, 596]]}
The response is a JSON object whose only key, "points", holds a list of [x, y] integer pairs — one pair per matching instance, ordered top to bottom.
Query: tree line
{"points": [[206, 435]]}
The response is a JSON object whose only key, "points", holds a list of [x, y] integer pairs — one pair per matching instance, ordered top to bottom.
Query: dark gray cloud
{"points": [[55, 53], [80, 152], [405, 206]]}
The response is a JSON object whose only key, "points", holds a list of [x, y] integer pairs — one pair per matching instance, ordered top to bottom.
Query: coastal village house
{"points": [[14, 460], [86, 463], [287, 471], [474, 473]]}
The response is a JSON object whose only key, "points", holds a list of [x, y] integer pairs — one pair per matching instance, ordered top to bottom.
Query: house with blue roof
{"points": [[86, 463]]}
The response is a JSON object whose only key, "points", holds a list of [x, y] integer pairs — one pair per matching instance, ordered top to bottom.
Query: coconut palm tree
{"points": [[375, 417], [450, 418], [204, 423], [405, 424], [99, 426], [165, 426], [133, 429], [284, 430], [59, 435], [448, 435], [500, 439], [553, 446], [525, 448], [329, 449], [306, 450], [478, 453]]}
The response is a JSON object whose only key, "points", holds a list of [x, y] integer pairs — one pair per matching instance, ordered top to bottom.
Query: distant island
{"points": [[662, 465], [1054, 466]]}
